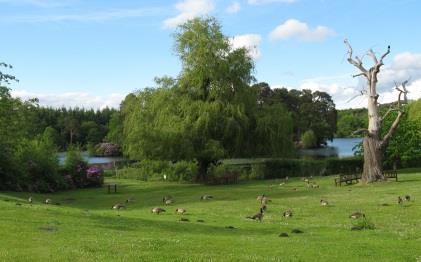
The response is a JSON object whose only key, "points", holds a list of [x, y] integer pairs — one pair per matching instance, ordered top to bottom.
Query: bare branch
{"points": [[372, 55], [384, 55], [355, 61], [360, 74], [352, 98], [361, 130], [391, 131]]}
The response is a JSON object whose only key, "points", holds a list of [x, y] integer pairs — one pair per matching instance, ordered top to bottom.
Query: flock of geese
{"points": [[263, 199]]}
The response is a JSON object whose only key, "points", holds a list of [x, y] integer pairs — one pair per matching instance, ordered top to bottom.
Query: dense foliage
{"points": [[209, 112]]}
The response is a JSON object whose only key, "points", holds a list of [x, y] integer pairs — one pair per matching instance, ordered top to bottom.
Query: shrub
{"points": [[309, 139], [107, 149], [344, 165], [39, 166], [75, 167], [281, 168], [184, 171], [257, 171], [95, 176]]}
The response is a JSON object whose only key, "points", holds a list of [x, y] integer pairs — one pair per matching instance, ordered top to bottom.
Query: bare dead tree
{"points": [[374, 145]]}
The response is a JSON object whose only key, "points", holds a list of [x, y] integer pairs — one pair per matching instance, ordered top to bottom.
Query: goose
{"points": [[286, 179], [281, 184], [314, 186], [206, 197], [260, 197], [165, 198], [408, 198], [30, 200], [265, 200], [400, 200], [48, 201], [169, 202], [324, 202], [118, 206], [264, 207], [157, 210], [180, 211], [287, 213], [356, 215], [258, 216], [184, 219], [200, 221], [230, 227], [297, 231], [283, 234]]}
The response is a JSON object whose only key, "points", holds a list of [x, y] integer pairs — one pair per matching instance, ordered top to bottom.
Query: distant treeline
{"points": [[67, 126]]}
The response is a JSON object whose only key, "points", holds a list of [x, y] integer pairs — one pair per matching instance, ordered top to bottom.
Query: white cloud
{"points": [[260, 2], [233, 8], [189, 9], [295, 29], [249, 41], [72, 99]]}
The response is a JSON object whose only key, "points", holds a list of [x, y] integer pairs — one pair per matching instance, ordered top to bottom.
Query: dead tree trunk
{"points": [[373, 144]]}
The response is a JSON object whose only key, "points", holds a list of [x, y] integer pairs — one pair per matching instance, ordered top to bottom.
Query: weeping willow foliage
{"points": [[209, 112]]}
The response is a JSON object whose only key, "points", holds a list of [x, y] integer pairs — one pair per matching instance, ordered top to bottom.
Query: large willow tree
{"points": [[209, 111]]}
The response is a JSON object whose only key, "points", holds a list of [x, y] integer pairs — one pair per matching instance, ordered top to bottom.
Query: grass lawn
{"points": [[85, 228]]}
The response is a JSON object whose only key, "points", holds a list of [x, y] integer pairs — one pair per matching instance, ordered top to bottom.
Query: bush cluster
{"points": [[149, 170]]}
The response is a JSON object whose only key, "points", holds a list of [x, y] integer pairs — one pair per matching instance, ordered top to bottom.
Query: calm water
{"points": [[340, 147], [92, 160]]}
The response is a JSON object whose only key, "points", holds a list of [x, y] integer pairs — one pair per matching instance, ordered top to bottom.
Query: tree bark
{"points": [[373, 160]]}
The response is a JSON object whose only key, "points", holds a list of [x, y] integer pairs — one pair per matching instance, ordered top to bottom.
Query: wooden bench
{"points": [[391, 174], [347, 179], [110, 188]]}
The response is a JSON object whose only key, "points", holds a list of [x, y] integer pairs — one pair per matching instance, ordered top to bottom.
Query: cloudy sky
{"points": [[92, 53]]}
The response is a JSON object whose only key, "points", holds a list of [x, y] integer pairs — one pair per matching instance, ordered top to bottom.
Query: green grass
{"points": [[84, 228]]}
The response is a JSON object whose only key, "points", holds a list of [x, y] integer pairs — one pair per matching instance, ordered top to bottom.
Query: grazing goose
{"points": [[281, 184], [314, 185], [206, 197], [260, 197], [165, 198], [408, 198], [30, 200], [265, 200], [400, 200], [48, 201], [169, 202], [324, 202], [118, 206], [264, 207], [157, 210], [180, 211], [287, 213], [356, 215], [258, 216], [184, 219], [200, 221], [297, 231], [283, 234]]}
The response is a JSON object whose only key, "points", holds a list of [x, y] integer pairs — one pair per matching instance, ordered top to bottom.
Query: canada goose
{"points": [[281, 184], [314, 186], [206, 197], [260, 197], [165, 198], [408, 198], [30, 200], [265, 200], [400, 200], [48, 201], [169, 202], [324, 202], [118, 206], [264, 207], [157, 210], [180, 211], [287, 213], [356, 215], [258, 216], [184, 219], [200, 221], [230, 227], [283, 234]]}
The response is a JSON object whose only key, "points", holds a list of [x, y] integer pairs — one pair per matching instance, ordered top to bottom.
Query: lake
{"points": [[338, 147], [92, 160]]}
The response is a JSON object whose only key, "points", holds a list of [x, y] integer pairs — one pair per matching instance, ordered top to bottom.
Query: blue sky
{"points": [[92, 53]]}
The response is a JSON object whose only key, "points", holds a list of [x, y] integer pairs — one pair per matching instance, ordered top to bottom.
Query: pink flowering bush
{"points": [[107, 149], [95, 176]]}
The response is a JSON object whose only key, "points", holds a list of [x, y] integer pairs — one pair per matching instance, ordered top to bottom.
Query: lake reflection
{"points": [[338, 147]]}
